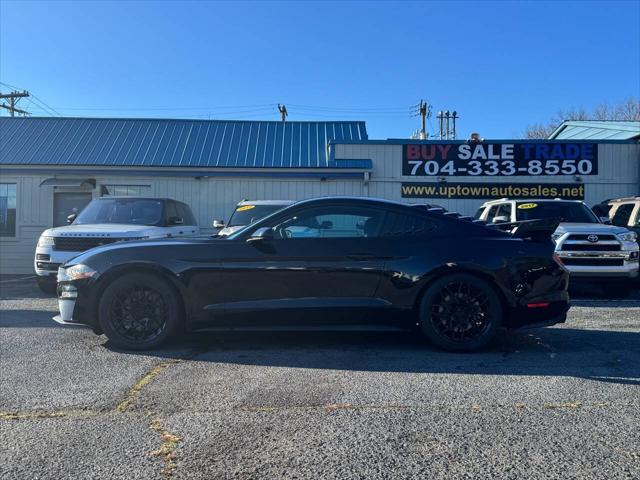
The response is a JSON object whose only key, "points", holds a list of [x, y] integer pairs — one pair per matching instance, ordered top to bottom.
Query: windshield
{"points": [[121, 210], [569, 212], [248, 214]]}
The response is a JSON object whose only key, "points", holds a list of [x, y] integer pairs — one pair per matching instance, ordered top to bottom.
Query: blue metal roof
{"points": [[597, 130], [175, 143]]}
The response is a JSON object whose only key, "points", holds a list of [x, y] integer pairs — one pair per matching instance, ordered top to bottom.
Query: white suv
{"points": [[107, 220], [590, 249]]}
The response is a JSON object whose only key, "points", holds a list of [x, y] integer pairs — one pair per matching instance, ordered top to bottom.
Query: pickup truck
{"points": [[107, 220], [590, 249]]}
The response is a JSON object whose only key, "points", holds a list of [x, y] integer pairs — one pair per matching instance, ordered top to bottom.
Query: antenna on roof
{"points": [[283, 112]]}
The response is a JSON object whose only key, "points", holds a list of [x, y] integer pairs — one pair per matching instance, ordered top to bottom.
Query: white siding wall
{"points": [[618, 167], [210, 198]]}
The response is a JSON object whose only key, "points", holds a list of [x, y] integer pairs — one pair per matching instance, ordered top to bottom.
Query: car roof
{"points": [[126, 197], [624, 199], [538, 200], [265, 202]]}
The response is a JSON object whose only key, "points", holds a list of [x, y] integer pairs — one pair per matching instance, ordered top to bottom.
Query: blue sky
{"points": [[502, 65]]}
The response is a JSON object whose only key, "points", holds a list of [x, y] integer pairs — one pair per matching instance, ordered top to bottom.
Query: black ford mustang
{"points": [[329, 263]]}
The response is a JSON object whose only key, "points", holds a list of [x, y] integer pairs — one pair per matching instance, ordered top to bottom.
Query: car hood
{"points": [[589, 228], [101, 230], [145, 244]]}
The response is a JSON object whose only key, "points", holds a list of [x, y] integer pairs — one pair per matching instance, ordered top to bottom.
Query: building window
{"points": [[126, 190], [7, 209]]}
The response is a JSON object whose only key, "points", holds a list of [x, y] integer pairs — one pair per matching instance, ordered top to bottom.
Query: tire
{"points": [[47, 286], [617, 290], [157, 314], [446, 318]]}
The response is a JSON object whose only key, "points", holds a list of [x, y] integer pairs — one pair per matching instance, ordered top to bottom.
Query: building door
{"points": [[66, 203]]}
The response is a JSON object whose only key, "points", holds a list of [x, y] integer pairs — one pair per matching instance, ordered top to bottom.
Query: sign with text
{"points": [[499, 159], [570, 191]]}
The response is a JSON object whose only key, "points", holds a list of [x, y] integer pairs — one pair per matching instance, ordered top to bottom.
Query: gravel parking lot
{"points": [[561, 402]]}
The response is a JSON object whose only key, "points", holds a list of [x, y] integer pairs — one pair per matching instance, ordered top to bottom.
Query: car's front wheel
{"points": [[139, 311], [460, 313]]}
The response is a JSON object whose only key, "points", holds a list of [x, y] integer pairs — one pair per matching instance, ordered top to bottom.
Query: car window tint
{"points": [[170, 210], [505, 210], [479, 213], [492, 213], [622, 215], [187, 216], [331, 222], [401, 224]]}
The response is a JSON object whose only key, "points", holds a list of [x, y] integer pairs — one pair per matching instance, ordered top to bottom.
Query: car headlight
{"points": [[628, 237], [45, 241], [75, 272]]}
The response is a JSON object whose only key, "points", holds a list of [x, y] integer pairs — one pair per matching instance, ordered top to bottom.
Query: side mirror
{"points": [[71, 217], [501, 219], [605, 220], [175, 221], [218, 223], [263, 234]]}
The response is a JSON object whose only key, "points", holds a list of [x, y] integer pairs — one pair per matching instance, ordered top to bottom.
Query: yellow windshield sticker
{"points": [[527, 206], [245, 207]]}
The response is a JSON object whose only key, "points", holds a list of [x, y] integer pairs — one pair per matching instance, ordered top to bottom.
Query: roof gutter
{"points": [[317, 173]]}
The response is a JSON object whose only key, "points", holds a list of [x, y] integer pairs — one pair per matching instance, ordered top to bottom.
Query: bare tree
{"points": [[628, 110]]}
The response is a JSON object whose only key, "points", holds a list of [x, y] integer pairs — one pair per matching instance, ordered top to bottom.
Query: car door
{"points": [[322, 267]]}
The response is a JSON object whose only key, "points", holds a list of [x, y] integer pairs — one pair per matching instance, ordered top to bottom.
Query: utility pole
{"points": [[13, 98], [424, 110], [283, 112], [454, 115], [447, 117]]}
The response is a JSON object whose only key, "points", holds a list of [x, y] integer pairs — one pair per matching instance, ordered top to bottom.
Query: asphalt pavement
{"points": [[560, 402]]}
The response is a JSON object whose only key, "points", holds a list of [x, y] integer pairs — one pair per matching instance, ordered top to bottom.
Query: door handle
{"points": [[361, 256]]}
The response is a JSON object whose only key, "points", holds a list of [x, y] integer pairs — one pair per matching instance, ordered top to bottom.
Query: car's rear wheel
{"points": [[139, 311], [460, 313]]}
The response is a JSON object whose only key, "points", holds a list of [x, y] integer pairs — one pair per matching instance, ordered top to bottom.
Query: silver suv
{"points": [[590, 249]]}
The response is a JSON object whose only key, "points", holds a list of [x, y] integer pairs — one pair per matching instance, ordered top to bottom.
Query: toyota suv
{"points": [[623, 212], [107, 220], [590, 249]]}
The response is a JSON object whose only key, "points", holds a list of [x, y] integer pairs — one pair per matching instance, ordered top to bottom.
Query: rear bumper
{"points": [[543, 310]]}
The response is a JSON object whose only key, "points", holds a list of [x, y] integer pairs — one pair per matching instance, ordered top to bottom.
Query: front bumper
{"points": [[47, 260], [75, 305]]}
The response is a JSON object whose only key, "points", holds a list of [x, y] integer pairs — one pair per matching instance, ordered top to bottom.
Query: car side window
{"points": [[170, 211], [505, 211], [184, 212], [492, 213], [622, 215], [331, 222], [401, 224]]}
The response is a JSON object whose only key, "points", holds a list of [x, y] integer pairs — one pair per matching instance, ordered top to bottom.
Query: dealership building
{"points": [[51, 167]]}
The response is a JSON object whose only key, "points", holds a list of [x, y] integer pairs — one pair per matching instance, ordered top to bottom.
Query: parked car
{"points": [[248, 212], [622, 212], [107, 220], [590, 249], [385, 265]]}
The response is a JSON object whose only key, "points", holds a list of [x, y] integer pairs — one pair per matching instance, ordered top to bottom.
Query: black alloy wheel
{"points": [[139, 312], [460, 312]]}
